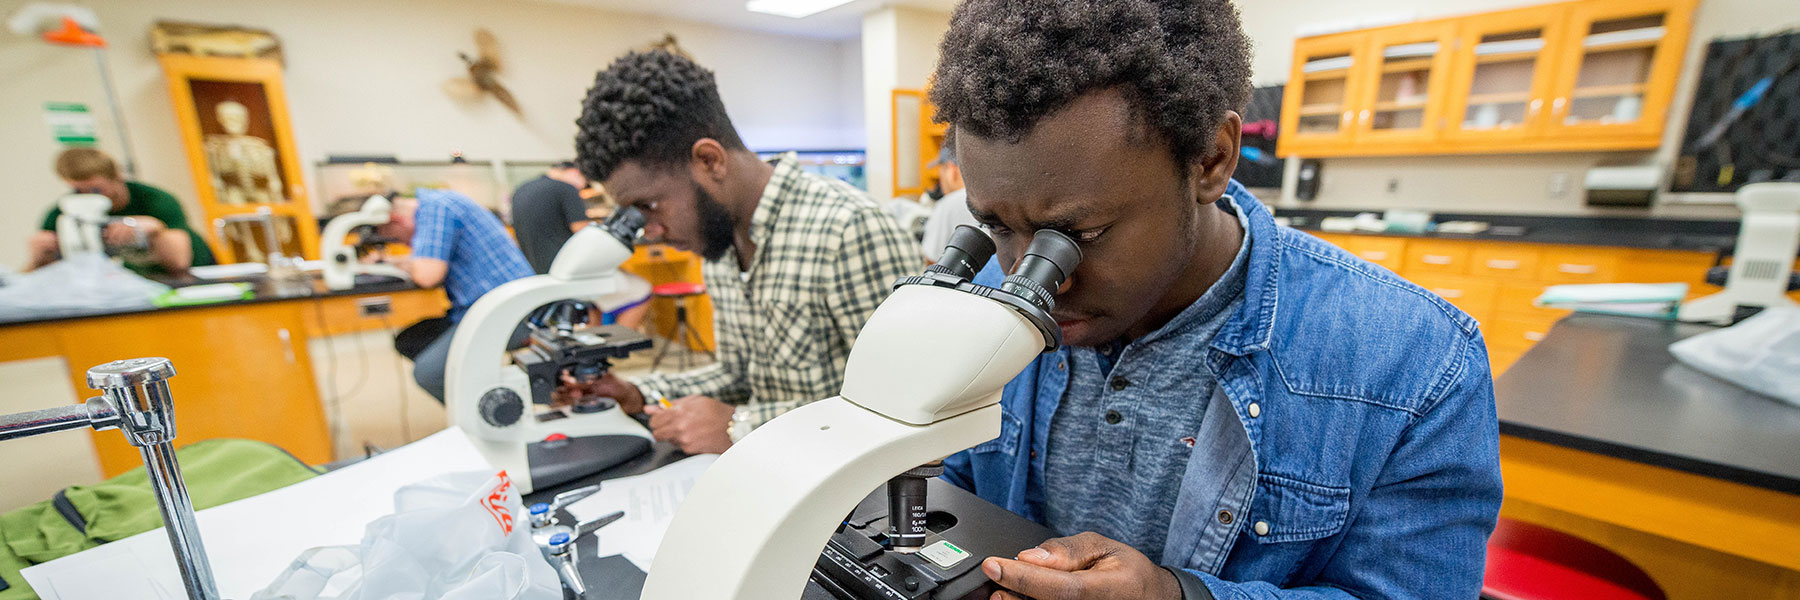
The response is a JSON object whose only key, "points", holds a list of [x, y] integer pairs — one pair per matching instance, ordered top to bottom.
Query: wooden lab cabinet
{"points": [[1587, 75]]}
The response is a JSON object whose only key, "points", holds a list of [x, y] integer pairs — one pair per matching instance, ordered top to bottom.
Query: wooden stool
{"points": [[679, 292], [1533, 562]]}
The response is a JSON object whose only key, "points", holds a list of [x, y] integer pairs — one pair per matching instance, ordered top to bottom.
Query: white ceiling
{"points": [[840, 23]]}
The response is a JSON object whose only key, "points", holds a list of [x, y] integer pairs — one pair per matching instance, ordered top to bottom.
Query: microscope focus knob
{"points": [[501, 407]]}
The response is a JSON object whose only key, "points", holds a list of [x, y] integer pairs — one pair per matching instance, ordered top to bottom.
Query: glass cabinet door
{"points": [[1620, 60], [1504, 73], [1404, 97], [1317, 111]]}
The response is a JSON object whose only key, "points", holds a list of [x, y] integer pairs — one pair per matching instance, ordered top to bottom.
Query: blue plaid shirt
{"points": [[452, 228]]}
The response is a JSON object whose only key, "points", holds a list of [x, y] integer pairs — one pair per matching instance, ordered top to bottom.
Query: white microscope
{"points": [[78, 228], [341, 262], [1762, 265], [495, 400], [752, 527]]}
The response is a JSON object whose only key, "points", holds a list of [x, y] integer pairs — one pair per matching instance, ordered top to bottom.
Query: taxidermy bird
{"points": [[484, 69]]}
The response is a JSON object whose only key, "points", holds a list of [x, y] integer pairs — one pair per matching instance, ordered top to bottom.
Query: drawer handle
{"points": [[1373, 255], [1435, 259], [1503, 265], [1577, 269], [1447, 293], [1535, 336]]}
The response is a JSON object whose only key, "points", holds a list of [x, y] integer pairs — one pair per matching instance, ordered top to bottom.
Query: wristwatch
{"points": [[740, 425]]}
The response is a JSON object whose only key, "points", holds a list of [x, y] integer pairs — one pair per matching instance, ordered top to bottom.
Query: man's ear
{"points": [[707, 160], [1209, 176]]}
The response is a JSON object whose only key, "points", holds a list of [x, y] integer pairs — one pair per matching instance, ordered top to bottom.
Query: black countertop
{"points": [[1628, 232], [263, 290], [1608, 385]]}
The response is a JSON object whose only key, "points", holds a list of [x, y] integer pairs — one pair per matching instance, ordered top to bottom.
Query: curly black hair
{"points": [[1006, 64], [649, 106]]}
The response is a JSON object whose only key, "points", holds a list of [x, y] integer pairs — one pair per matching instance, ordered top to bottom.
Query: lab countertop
{"points": [[1627, 232], [263, 290], [1608, 385]]}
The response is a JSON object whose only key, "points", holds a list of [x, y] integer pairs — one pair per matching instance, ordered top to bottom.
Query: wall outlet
{"points": [[1559, 185], [1393, 186], [374, 306]]}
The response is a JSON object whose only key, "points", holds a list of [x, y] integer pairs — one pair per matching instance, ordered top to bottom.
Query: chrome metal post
{"points": [[139, 390], [26, 424]]}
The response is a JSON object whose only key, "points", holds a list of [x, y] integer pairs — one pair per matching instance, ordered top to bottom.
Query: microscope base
{"points": [[553, 463], [856, 566]]}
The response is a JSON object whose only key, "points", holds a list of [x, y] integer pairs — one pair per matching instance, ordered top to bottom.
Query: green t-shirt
{"points": [[148, 201]]}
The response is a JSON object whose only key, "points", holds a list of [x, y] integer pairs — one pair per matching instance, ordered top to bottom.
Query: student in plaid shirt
{"points": [[795, 262]]}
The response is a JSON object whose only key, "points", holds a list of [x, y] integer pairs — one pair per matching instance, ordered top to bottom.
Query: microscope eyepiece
{"points": [[625, 225], [968, 250], [1048, 262]]}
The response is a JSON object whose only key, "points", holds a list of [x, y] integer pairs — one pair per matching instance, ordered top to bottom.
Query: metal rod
{"points": [[112, 102], [18, 425], [178, 520]]}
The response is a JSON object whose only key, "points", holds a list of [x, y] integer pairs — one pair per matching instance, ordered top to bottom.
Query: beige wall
{"points": [[899, 50], [364, 77], [1502, 183]]}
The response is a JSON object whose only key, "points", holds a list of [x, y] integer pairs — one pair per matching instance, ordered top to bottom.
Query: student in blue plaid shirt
{"points": [[795, 262]]}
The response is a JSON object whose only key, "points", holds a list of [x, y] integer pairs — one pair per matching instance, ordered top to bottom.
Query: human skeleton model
{"points": [[244, 171]]}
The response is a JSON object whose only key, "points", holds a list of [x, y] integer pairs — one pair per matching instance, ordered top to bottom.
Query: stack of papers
{"points": [[1659, 300]]}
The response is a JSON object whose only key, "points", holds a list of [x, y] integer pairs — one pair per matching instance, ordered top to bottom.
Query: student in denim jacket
{"points": [[1240, 410]]}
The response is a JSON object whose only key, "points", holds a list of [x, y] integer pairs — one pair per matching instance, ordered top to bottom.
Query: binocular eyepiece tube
{"points": [[625, 225], [1047, 263]]}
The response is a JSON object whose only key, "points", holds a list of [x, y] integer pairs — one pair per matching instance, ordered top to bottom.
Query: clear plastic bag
{"points": [[81, 283], [1761, 354], [462, 536]]}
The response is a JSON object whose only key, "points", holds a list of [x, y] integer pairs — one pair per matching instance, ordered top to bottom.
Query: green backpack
{"points": [[84, 516]]}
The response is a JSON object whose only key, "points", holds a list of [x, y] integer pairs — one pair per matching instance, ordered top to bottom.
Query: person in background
{"points": [[952, 209], [546, 212], [462, 246], [173, 247], [794, 262], [1239, 410]]}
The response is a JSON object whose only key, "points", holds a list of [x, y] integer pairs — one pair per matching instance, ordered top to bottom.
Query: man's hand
{"points": [[120, 234], [609, 385], [697, 424], [1088, 566]]}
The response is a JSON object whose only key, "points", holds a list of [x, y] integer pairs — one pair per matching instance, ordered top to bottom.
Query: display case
{"points": [[1620, 61], [1505, 69], [1403, 100], [1318, 109], [233, 118], [843, 165], [352, 182]]}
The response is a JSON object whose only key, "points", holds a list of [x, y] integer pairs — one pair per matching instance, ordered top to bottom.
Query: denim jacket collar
{"points": [[1248, 330]]}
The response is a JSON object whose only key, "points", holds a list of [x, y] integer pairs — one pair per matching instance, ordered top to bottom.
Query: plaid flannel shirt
{"points": [[826, 256]]}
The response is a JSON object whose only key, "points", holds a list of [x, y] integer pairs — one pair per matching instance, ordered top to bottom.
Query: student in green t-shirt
{"points": [[173, 246]]}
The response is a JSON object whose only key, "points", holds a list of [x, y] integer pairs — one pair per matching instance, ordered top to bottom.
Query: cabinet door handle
{"points": [[1536, 103], [1556, 108], [1349, 116], [1365, 117], [1373, 255], [1435, 259], [1503, 265], [1577, 269], [1447, 293], [1534, 336]]}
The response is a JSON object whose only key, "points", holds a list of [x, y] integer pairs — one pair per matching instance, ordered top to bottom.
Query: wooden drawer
{"points": [[1385, 251], [1437, 256], [1505, 261], [1580, 265], [1473, 296], [1514, 300], [1512, 333]]}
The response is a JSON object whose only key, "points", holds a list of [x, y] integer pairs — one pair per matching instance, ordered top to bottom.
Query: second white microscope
{"points": [[342, 264], [493, 394]]}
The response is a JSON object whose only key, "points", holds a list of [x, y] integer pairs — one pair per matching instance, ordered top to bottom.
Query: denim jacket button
{"points": [[1060, 365], [1255, 410], [1225, 517], [1262, 528]]}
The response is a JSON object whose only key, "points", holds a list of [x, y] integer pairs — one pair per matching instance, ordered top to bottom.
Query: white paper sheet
{"points": [[649, 502], [250, 541]]}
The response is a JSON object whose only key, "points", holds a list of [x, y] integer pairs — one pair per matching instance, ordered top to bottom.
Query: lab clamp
{"points": [[343, 260], [135, 400], [495, 401], [788, 486], [557, 541]]}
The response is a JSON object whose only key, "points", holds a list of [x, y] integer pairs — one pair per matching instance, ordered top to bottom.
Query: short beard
{"points": [[716, 225]]}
